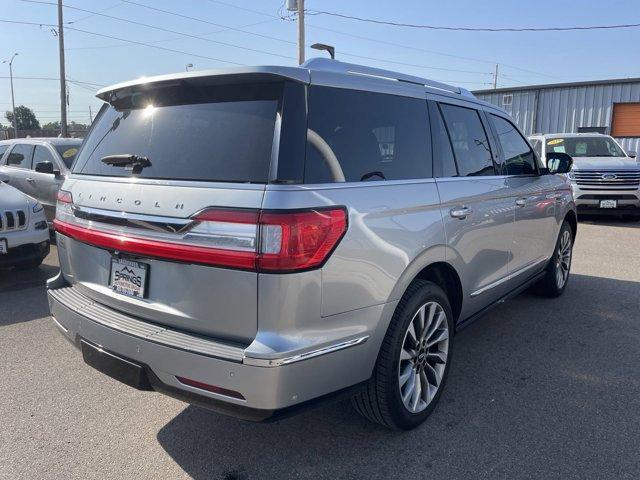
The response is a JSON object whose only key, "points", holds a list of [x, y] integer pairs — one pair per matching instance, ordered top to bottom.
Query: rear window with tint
{"points": [[221, 133], [366, 136]]}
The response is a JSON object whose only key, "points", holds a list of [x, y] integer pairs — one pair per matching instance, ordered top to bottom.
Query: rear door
{"points": [[18, 166], [44, 186], [476, 207], [535, 222], [171, 242]]}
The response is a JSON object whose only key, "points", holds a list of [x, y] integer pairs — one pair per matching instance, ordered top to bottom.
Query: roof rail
{"points": [[327, 64]]}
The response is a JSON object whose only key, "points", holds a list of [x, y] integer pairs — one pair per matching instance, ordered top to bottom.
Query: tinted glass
{"points": [[188, 133], [372, 136], [469, 140], [537, 146], [585, 146], [3, 148], [67, 153], [41, 154], [20, 156], [518, 156], [444, 163]]}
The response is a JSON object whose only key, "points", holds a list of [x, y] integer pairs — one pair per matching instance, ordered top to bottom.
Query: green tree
{"points": [[26, 118], [52, 126], [77, 127]]}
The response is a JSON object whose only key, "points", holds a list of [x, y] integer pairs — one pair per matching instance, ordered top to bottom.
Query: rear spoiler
{"points": [[209, 78]]}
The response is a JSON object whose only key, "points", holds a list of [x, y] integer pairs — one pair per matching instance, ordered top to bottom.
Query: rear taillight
{"points": [[63, 205], [258, 240], [299, 240], [281, 241]]}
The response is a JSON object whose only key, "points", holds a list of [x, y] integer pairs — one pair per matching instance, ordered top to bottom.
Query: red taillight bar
{"points": [[288, 241], [159, 249]]}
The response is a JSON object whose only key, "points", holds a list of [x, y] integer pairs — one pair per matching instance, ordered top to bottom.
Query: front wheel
{"points": [[557, 272], [413, 362]]}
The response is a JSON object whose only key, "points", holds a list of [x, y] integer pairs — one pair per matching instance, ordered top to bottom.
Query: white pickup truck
{"points": [[24, 233]]}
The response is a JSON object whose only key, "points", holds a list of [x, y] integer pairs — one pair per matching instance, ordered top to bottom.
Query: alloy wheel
{"points": [[563, 259], [423, 357]]}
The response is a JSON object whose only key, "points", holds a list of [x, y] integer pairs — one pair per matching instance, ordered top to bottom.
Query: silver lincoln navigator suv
{"points": [[257, 239]]}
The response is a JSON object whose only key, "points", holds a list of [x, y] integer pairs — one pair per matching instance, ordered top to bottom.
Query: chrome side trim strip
{"points": [[510, 276], [59, 325], [277, 362]]}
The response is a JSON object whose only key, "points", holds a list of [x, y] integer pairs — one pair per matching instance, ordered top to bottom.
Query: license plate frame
{"points": [[608, 204], [135, 284]]}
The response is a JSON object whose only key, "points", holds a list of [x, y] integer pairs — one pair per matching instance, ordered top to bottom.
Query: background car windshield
{"points": [[204, 134], [585, 146]]}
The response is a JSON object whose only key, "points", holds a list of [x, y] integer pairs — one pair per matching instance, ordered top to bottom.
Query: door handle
{"points": [[30, 180], [521, 202], [461, 213]]}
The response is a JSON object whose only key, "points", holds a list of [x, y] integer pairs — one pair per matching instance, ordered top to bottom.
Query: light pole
{"points": [[13, 102]]}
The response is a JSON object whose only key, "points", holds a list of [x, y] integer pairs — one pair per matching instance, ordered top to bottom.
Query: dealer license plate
{"points": [[129, 277]]}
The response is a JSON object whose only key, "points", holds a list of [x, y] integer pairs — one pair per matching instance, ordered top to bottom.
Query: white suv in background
{"points": [[605, 178], [24, 233]]}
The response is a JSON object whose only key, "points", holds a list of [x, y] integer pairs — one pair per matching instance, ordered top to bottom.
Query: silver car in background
{"points": [[38, 167], [605, 178], [255, 240]]}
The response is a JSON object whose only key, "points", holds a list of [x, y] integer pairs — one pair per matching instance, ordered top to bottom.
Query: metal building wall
{"points": [[565, 108]]}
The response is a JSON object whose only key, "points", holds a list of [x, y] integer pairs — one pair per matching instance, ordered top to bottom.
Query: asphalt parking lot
{"points": [[538, 389]]}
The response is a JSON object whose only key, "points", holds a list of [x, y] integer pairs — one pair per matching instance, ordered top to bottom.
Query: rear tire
{"points": [[557, 271], [416, 350]]}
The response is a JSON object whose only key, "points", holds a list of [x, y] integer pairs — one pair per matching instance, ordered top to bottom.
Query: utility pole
{"points": [[298, 6], [300, 32], [495, 78], [63, 85], [13, 102], [90, 115]]}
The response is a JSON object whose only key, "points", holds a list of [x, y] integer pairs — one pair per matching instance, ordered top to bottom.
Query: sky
{"points": [[236, 31]]}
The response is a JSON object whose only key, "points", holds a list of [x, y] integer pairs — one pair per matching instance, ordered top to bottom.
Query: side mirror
{"points": [[632, 154], [558, 162], [46, 167], [4, 178]]}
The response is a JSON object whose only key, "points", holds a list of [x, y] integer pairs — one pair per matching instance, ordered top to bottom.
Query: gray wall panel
{"points": [[565, 108]]}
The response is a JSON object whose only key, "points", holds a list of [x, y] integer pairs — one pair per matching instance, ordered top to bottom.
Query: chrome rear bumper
{"points": [[266, 386]]}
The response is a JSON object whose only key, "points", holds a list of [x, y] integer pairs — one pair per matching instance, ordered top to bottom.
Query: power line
{"points": [[81, 19], [162, 29], [472, 29], [165, 39], [134, 42], [288, 42], [384, 42], [56, 79]]}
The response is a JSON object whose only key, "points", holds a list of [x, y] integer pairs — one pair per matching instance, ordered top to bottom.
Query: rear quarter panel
{"points": [[391, 224]]}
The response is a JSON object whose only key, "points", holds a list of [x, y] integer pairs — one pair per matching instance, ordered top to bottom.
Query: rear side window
{"points": [[220, 133], [367, 136], [469, 140], [67, 153], [20, 156], [518, 156], [444, 163]]}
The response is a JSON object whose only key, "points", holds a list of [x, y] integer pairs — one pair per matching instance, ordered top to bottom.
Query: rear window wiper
{"points": [[135, 163]]}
